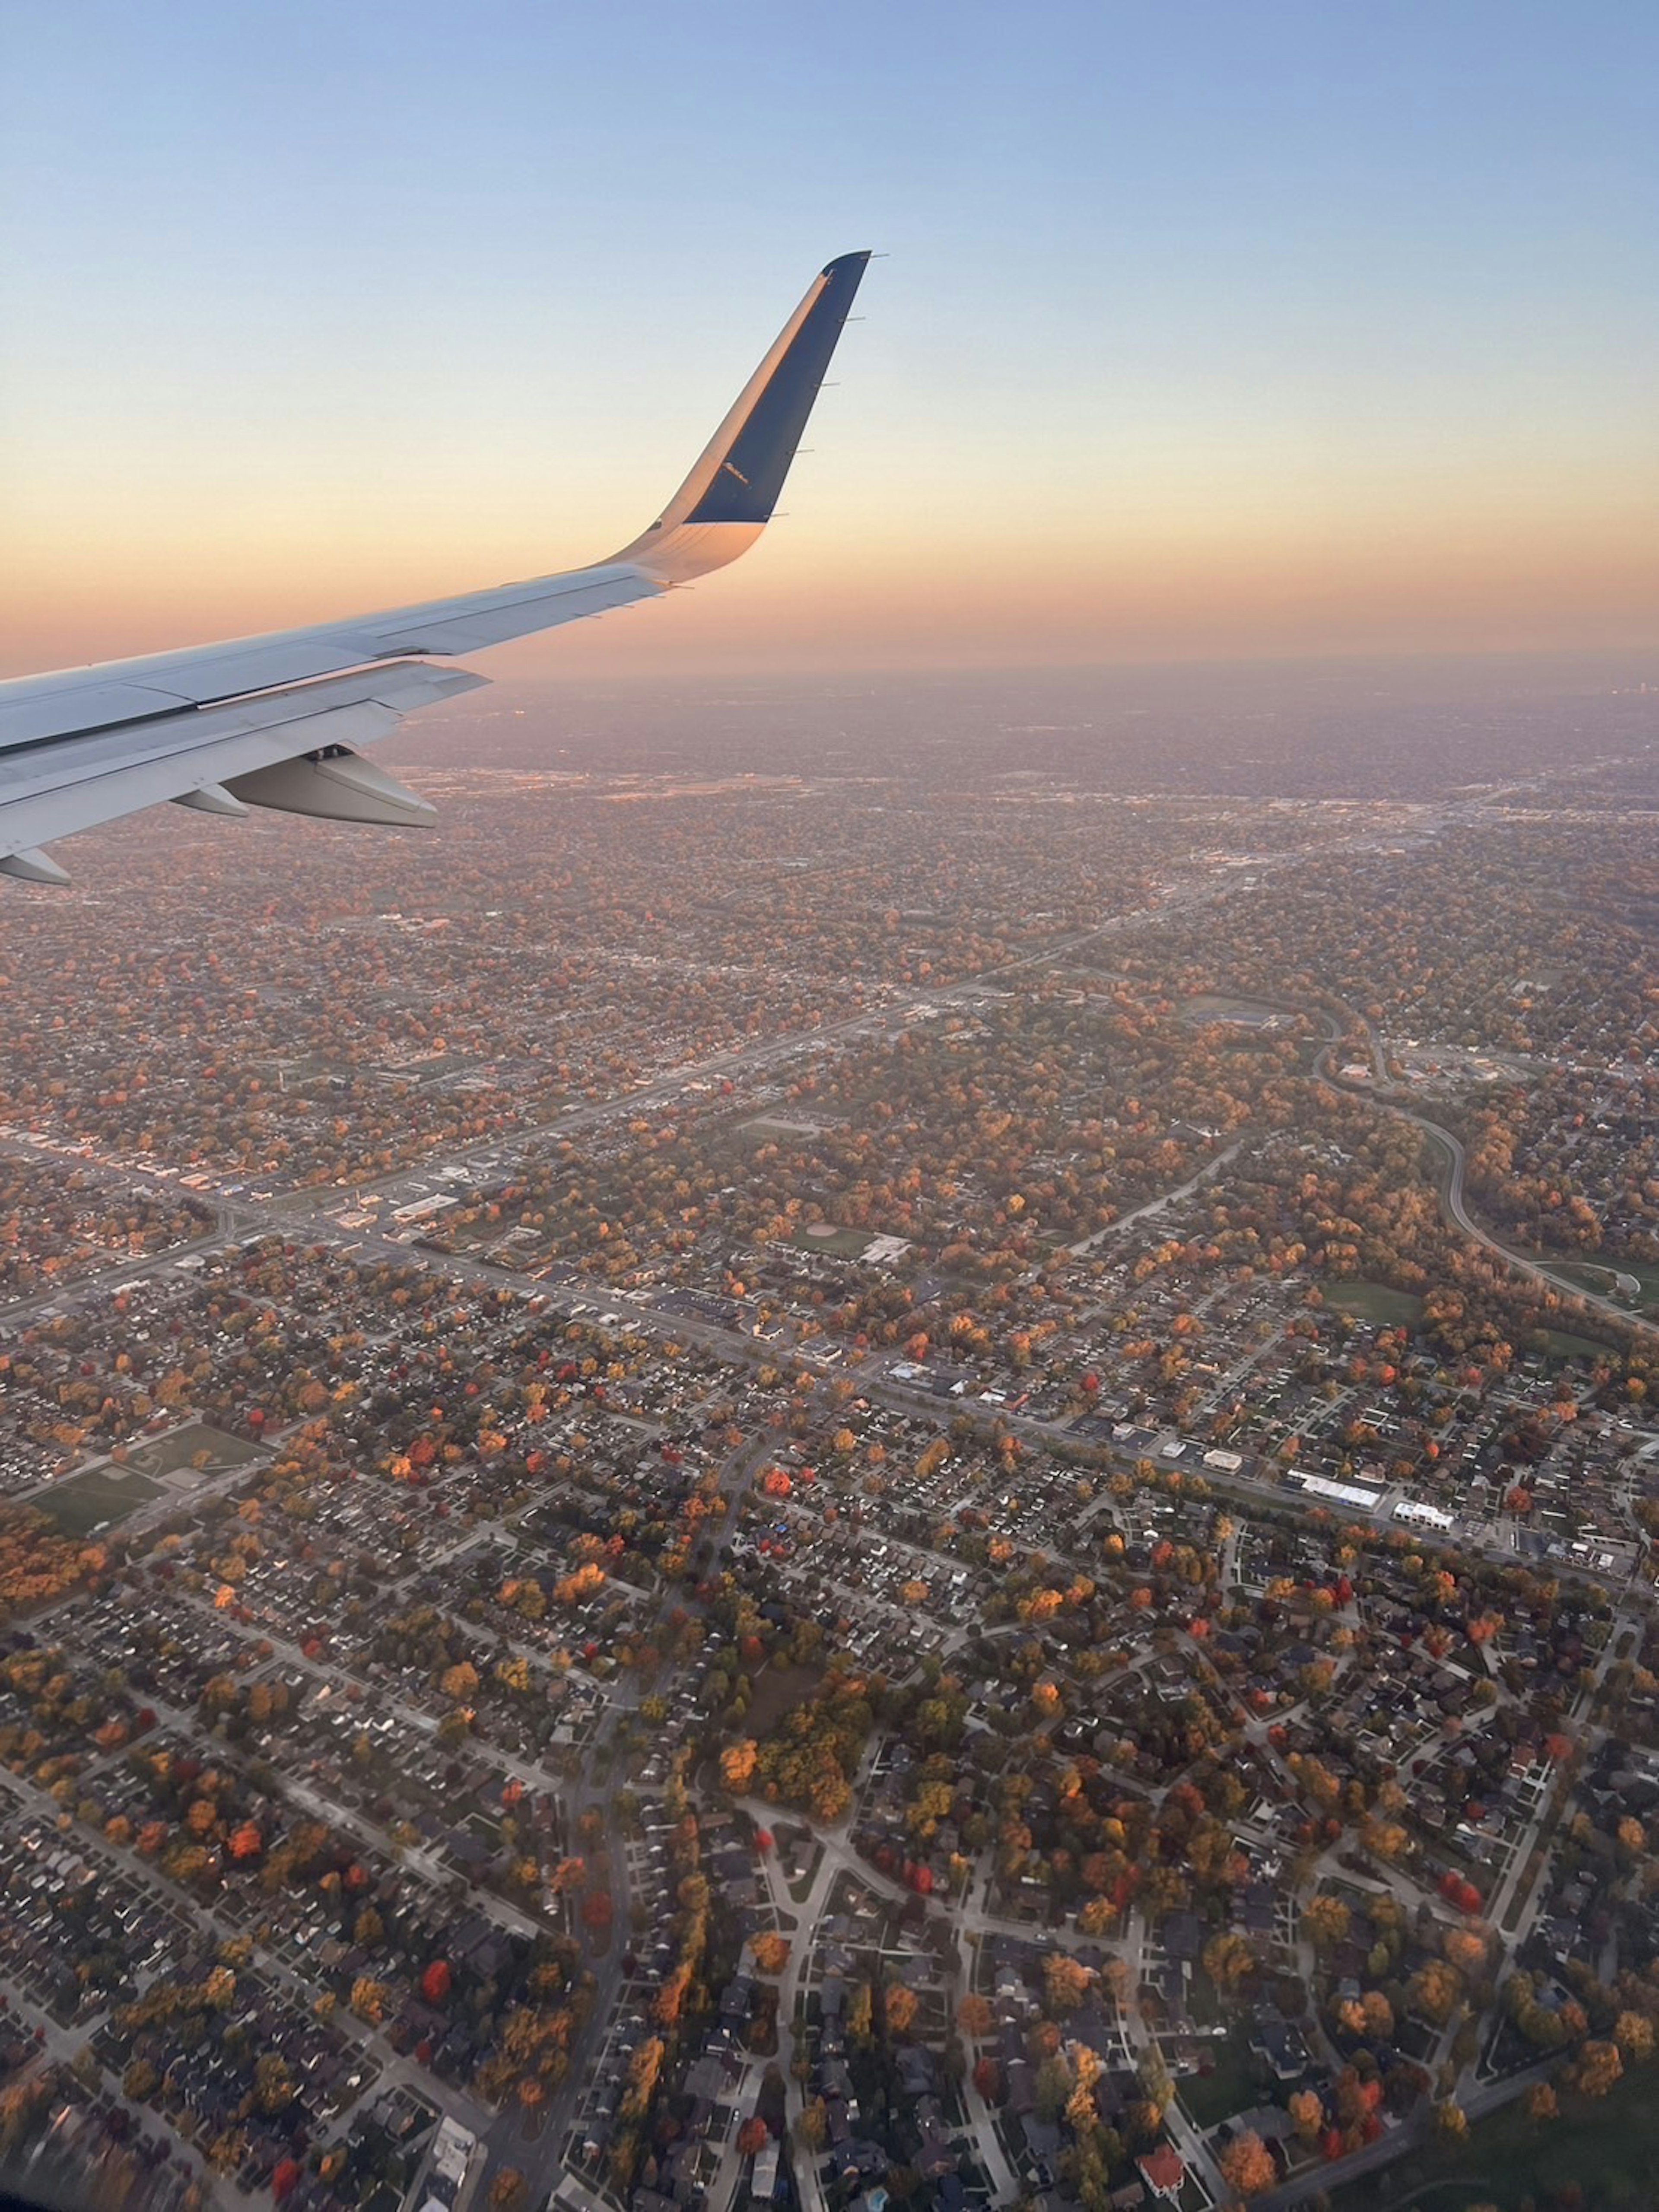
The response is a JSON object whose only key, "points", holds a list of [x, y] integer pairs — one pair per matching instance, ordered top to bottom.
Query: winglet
{"points": [[725, 503]]}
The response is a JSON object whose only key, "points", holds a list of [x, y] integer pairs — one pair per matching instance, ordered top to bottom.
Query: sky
{"points": [[1206, 330]]}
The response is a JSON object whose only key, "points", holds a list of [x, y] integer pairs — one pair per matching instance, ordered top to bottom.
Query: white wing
{"points": [[275, 720]]}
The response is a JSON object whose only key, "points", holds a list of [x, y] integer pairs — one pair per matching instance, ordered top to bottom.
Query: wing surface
{"points": [[274, 721]]}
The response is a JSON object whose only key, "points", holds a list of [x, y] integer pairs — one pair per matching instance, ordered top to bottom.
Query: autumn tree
{"points": [[738, 1765], [1327, 1920], [1228, 1960], [1066, 1983], [1435, 1989], [368, 1999], [1599, 2067], [642, 2071], [273, 2084], [1307, 2109], [1247, 2164]]}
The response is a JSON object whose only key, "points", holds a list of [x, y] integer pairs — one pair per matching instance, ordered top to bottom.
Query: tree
{"points": [[738, 1765], [1327, 1920], [1466, 1950], [771, 1952], [1228, 1960], [435, 1981], [1066, 1984], [1435, 1990], [368, 1999], [899, 2009], [975, 2017], [1598, 2069], [642, 2071], [1153, 2075], [140, 2080], [273, 2084], [1542, 2104], [1308, 2110], [1451, 2121], [752, 2137], [227, 2151], [1247, 2164], [507, 2191]]}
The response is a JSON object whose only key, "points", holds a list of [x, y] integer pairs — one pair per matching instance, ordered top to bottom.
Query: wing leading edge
{"points": [[272, 721]]}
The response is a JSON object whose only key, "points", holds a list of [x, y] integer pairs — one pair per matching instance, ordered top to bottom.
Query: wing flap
{"points": [[52, 790]]}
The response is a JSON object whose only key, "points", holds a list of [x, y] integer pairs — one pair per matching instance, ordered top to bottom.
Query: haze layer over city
{"points": [[886, 1443]]}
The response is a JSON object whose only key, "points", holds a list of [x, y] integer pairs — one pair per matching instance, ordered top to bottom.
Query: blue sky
{"points": [[1312, 326]]}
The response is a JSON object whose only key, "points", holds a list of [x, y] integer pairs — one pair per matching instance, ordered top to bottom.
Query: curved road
{"points": [[1452, 1197], [1460, 1213]]}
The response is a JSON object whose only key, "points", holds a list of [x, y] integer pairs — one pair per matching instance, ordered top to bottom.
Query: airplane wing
{"points": [[276, 720]]}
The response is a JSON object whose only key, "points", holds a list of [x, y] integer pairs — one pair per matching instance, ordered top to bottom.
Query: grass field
{"points": [[1218, 1006], [844, 1243], [1599, 1276], [1375, 1302], [1565, 1345], [168, 1454], [85, 1502], [777, 1690], [1234, 2086], [1609, 2146]]}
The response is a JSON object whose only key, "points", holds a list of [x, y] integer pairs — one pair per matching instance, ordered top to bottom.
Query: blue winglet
{"points": [[745, 485]]}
